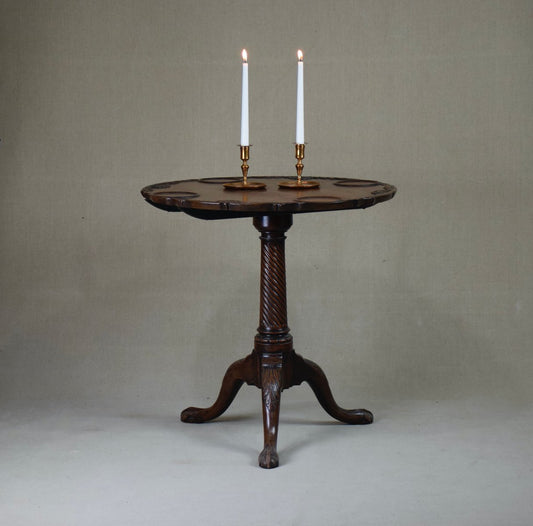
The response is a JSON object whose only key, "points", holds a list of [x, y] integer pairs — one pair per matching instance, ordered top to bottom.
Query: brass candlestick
{"points": [[299, 183], [245, 184]]}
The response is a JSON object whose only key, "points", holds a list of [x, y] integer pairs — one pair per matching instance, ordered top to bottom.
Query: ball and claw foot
{"points": [[268, 458]]}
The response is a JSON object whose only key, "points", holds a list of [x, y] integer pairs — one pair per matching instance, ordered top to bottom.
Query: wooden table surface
{"points": [[208, 199]]}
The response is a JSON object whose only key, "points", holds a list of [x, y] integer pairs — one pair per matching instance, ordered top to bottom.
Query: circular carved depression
{"points": [[219, 180], [357, 183], [185, 195], [319, 199]]}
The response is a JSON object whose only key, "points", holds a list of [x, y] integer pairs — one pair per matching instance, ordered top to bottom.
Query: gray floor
{"points": [[434, 463]]}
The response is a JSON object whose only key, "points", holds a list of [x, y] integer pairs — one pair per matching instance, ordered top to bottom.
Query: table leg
{"points": [[308, 371], [238, 372], [271, 387]]}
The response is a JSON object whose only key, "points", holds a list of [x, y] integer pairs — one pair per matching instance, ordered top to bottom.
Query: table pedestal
{"points": [[273, 365]]}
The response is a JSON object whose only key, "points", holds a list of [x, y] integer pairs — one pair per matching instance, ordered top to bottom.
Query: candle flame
{"points": [[244, 55], [300, 55]]}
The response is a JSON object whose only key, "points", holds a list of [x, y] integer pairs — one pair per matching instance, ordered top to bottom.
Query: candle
{"points": [[300, 100], [245, 132]]}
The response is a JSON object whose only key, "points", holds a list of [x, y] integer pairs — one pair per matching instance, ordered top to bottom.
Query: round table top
{"points": [[209, 199]]}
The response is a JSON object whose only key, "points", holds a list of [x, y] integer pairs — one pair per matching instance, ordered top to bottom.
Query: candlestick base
{"points": [[245, 184], [299, 184], [248, 185]]}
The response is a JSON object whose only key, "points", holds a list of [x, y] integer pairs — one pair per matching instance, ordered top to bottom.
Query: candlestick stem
{"points": [[300, 154], [245, 156], [245, 184], [299, 184]]}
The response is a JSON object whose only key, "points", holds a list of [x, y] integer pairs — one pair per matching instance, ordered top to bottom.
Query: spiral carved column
{"points": [[273, 297]]}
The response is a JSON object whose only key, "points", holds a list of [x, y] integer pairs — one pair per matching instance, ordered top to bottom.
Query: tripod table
{"points": [[272, 365]]}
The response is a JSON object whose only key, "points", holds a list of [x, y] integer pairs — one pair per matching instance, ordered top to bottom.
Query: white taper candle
{"points": [[245, 124], [300, 138]]}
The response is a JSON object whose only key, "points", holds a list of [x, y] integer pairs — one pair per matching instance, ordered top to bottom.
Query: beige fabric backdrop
{"points": [[106, 300]]}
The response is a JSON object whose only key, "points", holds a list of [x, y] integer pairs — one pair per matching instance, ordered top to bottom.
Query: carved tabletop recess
{"points": [[273, 364]]}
